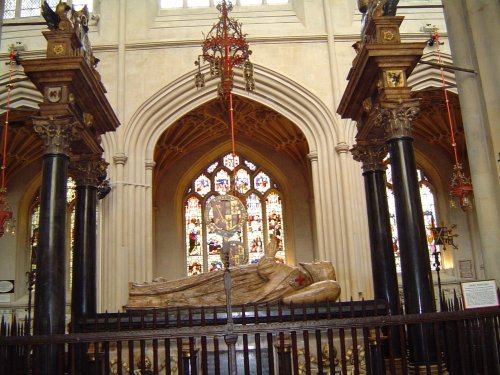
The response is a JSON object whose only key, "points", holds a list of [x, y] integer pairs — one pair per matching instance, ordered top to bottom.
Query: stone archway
{"points": [[133, 172]]}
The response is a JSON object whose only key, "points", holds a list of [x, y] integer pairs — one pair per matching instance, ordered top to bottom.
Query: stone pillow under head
{"points": [[320, 271]]}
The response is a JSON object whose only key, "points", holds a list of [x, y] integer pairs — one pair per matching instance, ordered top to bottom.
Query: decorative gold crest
{"points": [[388, 35], [58, 49], [395, 78], [54, 94]]}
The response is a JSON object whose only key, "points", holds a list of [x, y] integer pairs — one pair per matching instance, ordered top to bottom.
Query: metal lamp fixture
{"points": [[224, 48], [460, 186]]}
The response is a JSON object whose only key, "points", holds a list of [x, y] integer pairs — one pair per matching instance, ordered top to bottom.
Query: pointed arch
{"points": [[275, 91]]}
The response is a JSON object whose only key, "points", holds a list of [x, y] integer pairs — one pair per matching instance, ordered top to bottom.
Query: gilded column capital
{"points": [[397, 121], [57, 132], [371, 156], [120, 158], [88, 172]]}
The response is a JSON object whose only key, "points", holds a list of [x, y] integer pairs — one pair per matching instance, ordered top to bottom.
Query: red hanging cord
{"points": [[448, 109], [461, 187]]}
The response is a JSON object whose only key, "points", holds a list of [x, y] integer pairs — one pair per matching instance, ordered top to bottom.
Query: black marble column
{"points": [[415, 265], [385, 280], [50, 288], [83, 293]]}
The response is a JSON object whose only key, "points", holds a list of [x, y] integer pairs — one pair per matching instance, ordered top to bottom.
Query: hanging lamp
{"points": [[224, 48], [460, 186], [6, 215]]}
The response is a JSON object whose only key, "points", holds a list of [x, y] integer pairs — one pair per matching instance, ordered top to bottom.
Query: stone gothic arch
{"points": [[132, 171]]}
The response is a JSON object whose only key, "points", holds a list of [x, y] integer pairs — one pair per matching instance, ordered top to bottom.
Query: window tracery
{"points": [[31, 8], [428, 199], [263, 201], [34, 225]]}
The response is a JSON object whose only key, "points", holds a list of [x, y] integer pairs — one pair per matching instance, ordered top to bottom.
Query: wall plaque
{"points": [[6, 286], [478, 294]]}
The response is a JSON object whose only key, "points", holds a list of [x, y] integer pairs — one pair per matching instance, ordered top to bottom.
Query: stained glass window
{"points": [[32, 8], [9, 10], [231, 161], [242, 181], [222, 182], [262, 182], [202, 185], [428, 207], [264, 212], [274, 213], [193, 218], [34, 226]]}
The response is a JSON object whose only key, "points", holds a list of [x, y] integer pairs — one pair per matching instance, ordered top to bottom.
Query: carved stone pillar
{"points": [[415, 266], [385, 280], [83, 294], [50, 295]]}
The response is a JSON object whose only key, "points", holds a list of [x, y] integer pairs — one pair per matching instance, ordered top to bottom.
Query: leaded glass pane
{"points": [[250, 2], [171, 3], [198, 3], [79, 4], [30, 8], [9, 10], [230, 161], [250, 165], [212, 167], [242, 181], [222, 182], [262, 182], [202, 185], [71, 192], [428, 207], [274, 213], [254, 228], [34, 230], [194, 232], [72, 242], [214, 243], [203, 247]]}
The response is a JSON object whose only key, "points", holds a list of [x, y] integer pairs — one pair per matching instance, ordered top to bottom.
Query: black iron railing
{"points": [[328, 338]]}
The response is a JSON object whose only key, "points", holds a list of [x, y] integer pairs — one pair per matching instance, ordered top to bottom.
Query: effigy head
{"points": [[320, 271]]}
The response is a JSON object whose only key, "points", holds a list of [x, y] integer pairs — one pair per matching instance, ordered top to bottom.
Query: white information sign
{"points": [[480, 294]]}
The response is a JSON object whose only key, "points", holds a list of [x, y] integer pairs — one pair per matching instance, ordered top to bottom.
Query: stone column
{"points": [[472, 27], [319, 252], [385, 280], [50, 288], [418, 289], [83, 294]]}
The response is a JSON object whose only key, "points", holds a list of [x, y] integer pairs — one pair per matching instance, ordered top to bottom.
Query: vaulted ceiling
{"points": [[210, 122]]}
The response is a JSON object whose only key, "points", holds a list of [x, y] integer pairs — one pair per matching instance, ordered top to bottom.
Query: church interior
{"points": [[359, 134]]}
